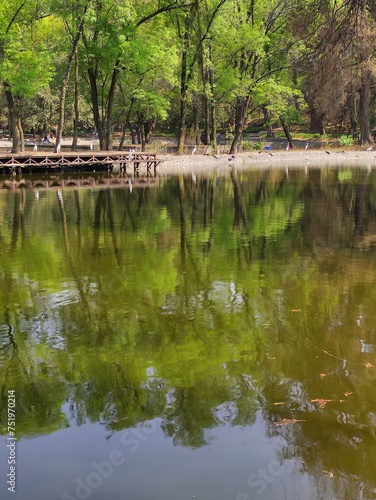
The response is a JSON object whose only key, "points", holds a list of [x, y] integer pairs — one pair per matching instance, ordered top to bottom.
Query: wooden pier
{"points": [[79, 162]]}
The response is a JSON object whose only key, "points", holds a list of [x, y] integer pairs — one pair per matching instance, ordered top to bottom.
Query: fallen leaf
{"points": [[368, 365], [322, 402], [119, 420], [287, 421], [330, 474]]}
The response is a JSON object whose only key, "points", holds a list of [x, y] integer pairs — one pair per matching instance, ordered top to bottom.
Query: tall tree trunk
{"points": [[204, 74], [64, 83], [183, 87], [364, 91], [95, 104], [242, 104], [110, 106], [364, 108], [76, 110], [207, 115], [213, 117], [267, 117], [182, 118], [13, 119], [196, 122], [316, 122], [127, 123], [149, 125], [104, 127], [140, 129], [214, 130], [286, 131], [20, 133], [133, 133], [122, 139]]}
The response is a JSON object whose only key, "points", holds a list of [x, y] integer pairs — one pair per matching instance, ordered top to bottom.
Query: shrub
{"points": [[344, 140]]}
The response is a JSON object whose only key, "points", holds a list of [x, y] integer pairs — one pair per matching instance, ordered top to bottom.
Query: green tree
{"points": [[109, 30], [74, 38], [25, 60]]}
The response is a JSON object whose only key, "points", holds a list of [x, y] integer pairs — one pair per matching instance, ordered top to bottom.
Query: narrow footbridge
{"points": [[80, 162]]}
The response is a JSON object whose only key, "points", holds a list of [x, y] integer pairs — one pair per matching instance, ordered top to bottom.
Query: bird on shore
{"points": [[288, 146], [307, 146], [370, 149], [194, 150]]}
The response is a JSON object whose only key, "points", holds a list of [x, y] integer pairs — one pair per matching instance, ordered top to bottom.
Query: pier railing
{"points": [[81, 161]]}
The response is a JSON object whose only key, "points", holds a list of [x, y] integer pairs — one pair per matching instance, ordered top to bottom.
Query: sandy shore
{"points": [[294, 159]]}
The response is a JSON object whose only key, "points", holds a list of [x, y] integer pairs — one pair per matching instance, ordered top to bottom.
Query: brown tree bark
{"points": [[183, 87], [95, 104], [242, 104], [364, 108], [76, 110], [213, 116], [267, 117], [12, 119], [316, 122], [287, 132]]}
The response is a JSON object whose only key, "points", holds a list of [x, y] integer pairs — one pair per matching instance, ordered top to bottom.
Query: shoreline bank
{"points": [[294, 158], [264, 159]]}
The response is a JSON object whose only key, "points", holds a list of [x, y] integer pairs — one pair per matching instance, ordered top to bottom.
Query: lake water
{"points": [[208, 338]]}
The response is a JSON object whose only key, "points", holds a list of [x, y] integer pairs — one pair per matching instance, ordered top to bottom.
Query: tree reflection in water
{"points": [[206, 304]]}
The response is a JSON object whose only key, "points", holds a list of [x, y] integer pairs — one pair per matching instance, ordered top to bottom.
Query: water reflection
{"points": [[215, 306]]}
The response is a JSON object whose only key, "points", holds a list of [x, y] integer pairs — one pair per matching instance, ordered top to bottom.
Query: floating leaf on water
{"points": [[296, 310], [269, 357], [368, 365], [322, 375], [347, 394], [323, 402], [282, 403], [116, 421], [287, 421], [330, 474]]}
